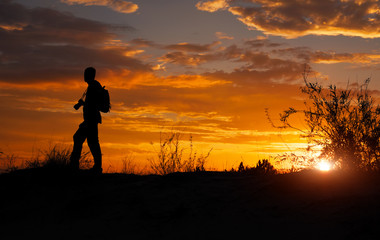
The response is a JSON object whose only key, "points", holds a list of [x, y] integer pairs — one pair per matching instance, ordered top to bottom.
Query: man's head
{"points": [[89, 74]]}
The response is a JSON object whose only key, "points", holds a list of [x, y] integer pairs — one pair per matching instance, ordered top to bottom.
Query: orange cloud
{"points": [[116, 5], [212, 6], [292, 19], [12, 27], [222, 35], [328, 57], [332, 57], [184, 58], [126, 79]]}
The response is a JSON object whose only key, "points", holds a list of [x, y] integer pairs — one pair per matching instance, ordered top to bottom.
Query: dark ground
{"points": [[54, 204]]}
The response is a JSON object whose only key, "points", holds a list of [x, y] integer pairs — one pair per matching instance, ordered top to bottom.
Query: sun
{"points": [[324, 166]]}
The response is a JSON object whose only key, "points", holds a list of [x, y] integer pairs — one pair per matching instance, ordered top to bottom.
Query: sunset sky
{"points": [[206, 68]]}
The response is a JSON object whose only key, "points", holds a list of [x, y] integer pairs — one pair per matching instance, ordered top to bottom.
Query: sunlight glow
{"points": [[324, 166]]}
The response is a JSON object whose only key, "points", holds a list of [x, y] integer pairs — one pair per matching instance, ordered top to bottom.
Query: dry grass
{"points": [[172, 156]]}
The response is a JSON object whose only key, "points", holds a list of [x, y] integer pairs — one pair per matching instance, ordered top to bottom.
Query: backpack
{"points": [[104, 100]]}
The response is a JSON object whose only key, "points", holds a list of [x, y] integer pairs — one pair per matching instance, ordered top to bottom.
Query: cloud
{"points": [[116, 5], [212, 6], [292, 19], [48, 26], [222, 35], [140, 42], [261, 42], [49, 46], [188, 47], [190, 54], [308, 55], [252, 57], [333, 57], [182, 58], [262, 58], [186, 59], [136, 79], [193, 81]]}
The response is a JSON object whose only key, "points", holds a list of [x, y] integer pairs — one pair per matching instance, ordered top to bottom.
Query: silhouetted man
{"points": [[88, 129]]}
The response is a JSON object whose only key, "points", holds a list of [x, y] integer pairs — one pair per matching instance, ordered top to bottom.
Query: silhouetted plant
{"points": [[345, 123], [57, 156], [170, 156], [85, 161], [194, 161], [10, 162], [35, 162], [297, 162], [130, 166], [241, 167], [264, 167]]}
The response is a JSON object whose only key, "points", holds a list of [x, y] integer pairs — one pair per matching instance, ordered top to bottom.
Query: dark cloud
{"points": [[290, 18], [43, 25], [140, 42], [260, 43], [42, 45], [182, 47], [188, 47], [300, 53], [308, 55], [186, 59], [256, 63]]}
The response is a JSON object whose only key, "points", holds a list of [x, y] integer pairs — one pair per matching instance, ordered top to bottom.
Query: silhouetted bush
{"points": [[345, 123], [57, 156], [170, 156], [9, 162], [298, 162], [130, 166], [241, 167], [263, 167]]}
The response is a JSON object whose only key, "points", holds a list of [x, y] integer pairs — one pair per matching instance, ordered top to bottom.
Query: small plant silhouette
{"points": [[57, 156], [170, 156], [10, 162], [130, 166], [263, 167]]}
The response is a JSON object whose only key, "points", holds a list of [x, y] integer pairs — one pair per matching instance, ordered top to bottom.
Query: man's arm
{"points": [[79, 104]]}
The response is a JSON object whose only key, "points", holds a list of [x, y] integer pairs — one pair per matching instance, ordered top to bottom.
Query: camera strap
{"points": [[84, 95]]}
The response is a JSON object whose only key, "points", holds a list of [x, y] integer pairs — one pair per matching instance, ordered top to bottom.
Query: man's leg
{"points": [[79, 138], [93, 144]]}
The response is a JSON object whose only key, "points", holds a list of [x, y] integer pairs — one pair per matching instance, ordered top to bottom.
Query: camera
{"points": [[79, 104]]}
